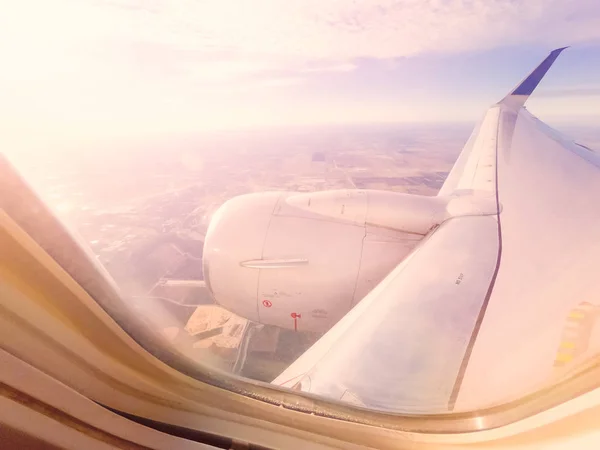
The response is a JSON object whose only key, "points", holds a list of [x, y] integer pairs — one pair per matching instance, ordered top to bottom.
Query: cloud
{"points": [[339, 30], [227, 38], [129, 63], [347, 67], [224, 71], [281, 82], [254, 85], [571, 91]]}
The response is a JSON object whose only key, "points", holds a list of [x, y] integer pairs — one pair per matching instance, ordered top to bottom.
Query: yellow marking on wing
{"points": [[567, 345], [563, 357]]}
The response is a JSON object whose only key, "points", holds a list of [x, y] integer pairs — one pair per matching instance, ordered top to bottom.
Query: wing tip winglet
{"points": [[528, 85]]}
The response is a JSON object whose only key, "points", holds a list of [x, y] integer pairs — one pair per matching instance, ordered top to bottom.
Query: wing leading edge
{"points": [[427, 339]]}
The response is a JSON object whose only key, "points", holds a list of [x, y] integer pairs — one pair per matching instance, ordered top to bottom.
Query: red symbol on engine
{"points": [[267, 303], [296, 316]]}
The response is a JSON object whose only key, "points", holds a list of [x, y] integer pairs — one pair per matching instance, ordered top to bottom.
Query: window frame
{"points": [[25, 213]]}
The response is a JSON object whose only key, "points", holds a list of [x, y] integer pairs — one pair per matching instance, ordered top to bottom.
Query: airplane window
{"points": [[268, 187]]}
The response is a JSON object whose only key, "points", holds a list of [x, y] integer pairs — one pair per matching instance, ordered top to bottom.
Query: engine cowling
{"points": [[302, 261]]}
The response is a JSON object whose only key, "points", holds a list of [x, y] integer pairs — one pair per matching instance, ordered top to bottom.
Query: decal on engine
{"points": [[459, 279], [267, 303], [319, 313], [296, 316]]}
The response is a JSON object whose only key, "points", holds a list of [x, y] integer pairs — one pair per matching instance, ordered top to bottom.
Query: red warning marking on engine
{"points": [[267, 303], [296, 316]]}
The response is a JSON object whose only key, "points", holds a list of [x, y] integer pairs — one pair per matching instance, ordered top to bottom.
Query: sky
{"points": [[85, 69]]}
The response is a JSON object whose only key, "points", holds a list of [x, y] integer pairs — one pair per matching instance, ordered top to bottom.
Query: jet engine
{"points": [[302, 261]]}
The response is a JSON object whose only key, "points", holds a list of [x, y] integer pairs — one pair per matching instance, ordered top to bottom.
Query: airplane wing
{"points": [[478, 313]]}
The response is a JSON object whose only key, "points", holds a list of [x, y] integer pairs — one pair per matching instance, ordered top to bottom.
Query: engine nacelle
{"points": [[302, 261]]}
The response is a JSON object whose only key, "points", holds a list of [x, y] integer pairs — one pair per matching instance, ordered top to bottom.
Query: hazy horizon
{"points": [[78, 71]]}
